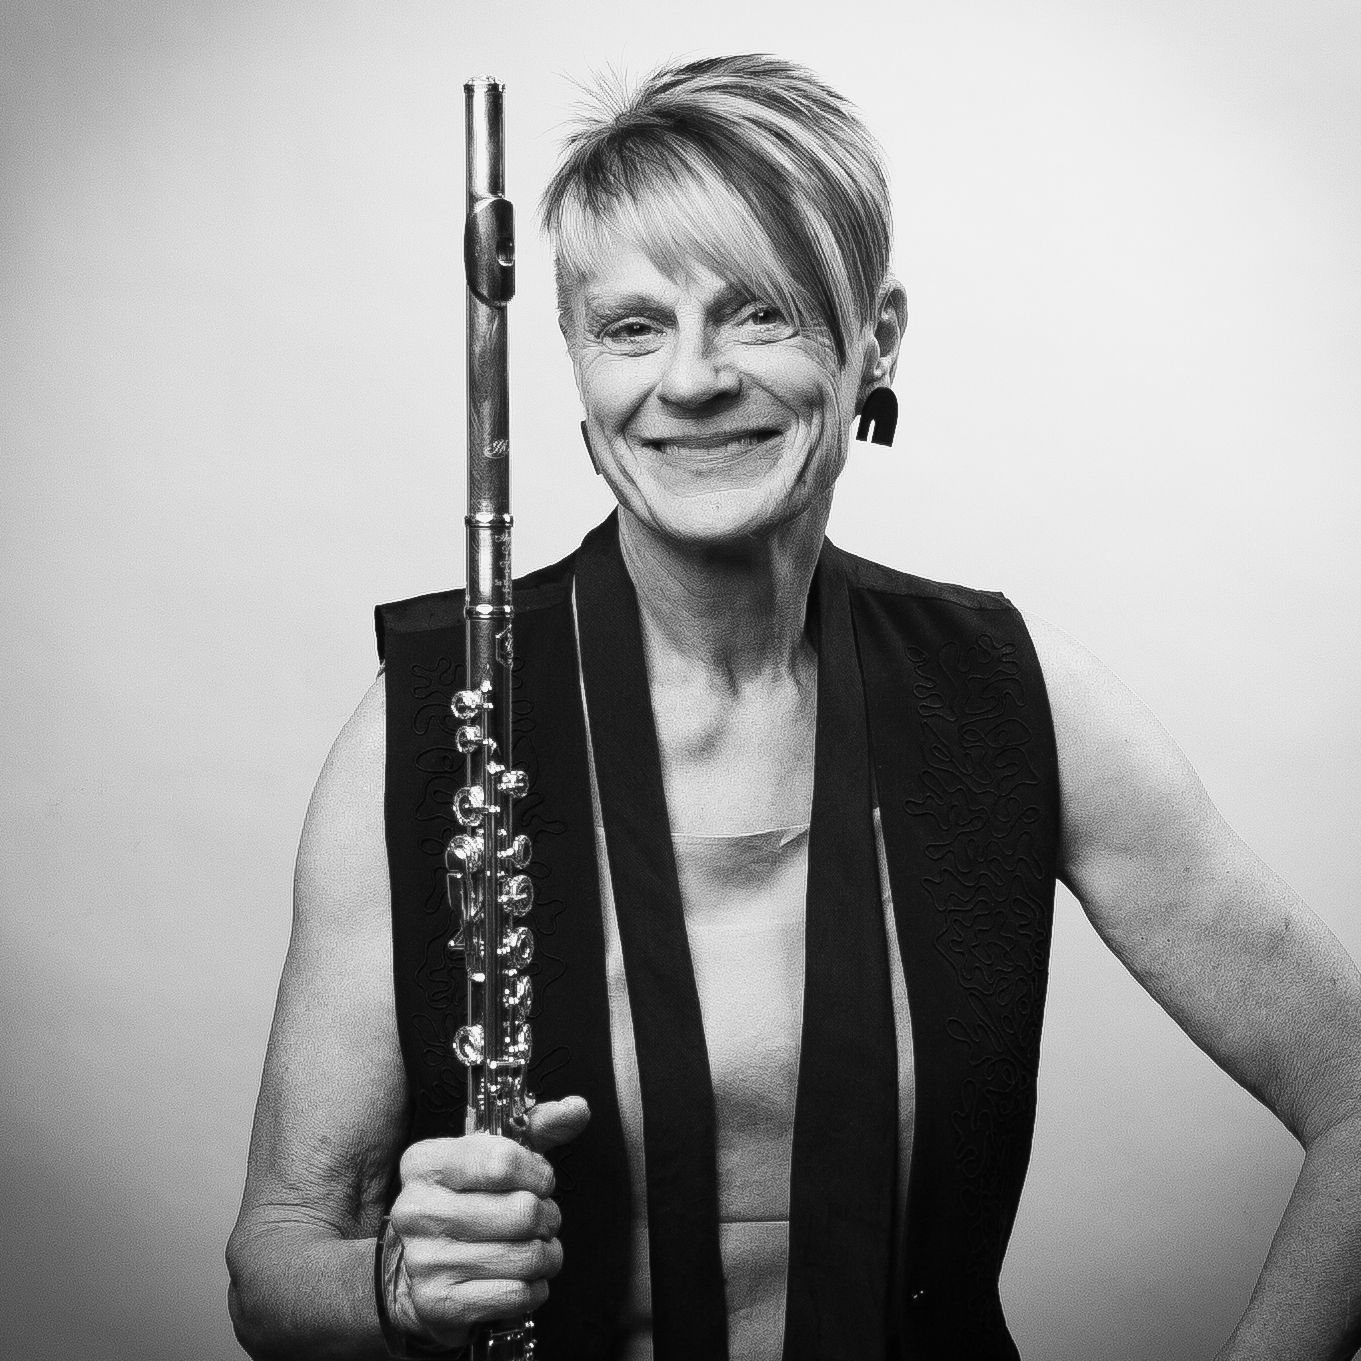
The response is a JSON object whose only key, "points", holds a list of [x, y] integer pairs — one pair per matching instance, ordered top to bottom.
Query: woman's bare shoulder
{"points": [[342, 864]]}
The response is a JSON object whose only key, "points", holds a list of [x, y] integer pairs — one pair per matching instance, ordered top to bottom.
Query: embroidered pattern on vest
{"points": [[984, 800]]}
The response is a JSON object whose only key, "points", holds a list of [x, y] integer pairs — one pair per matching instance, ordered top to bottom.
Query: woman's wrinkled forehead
{"points": [[680, 229]]}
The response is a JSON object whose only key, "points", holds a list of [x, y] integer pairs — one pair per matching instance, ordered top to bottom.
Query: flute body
{"points": [[486, 859]]}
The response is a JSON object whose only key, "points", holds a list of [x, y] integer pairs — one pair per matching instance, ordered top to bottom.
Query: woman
{"points": [[796, 960]]}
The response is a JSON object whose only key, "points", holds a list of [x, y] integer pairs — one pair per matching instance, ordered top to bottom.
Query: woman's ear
{"points": [[886, 335], [876, 405]]}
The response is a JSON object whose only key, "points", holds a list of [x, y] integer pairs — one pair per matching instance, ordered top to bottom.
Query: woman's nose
{"points": [[698, 371]]}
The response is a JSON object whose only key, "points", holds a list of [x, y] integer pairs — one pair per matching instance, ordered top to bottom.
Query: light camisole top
{"points": [[744, 899]]}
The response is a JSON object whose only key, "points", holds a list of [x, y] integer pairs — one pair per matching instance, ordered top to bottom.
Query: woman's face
{"points": [[710, 414]]}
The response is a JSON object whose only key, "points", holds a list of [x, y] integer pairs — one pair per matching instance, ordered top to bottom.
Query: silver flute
{"points": [[486, 859]]}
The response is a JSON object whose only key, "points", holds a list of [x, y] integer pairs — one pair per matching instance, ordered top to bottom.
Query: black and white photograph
{"points": [[680, 682]]}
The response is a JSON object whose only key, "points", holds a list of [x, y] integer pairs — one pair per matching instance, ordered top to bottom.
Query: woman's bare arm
{"points": [[1251, 975], [332, 1104]]}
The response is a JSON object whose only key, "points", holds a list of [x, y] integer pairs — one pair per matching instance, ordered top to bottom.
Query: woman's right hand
{"points": [[473, 1234]]}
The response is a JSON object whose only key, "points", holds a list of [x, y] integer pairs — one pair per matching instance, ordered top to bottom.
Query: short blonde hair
{"points": [[748, 164]]}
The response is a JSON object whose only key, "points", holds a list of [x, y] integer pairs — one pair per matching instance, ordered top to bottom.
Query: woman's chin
{"points": [[719, 514]]}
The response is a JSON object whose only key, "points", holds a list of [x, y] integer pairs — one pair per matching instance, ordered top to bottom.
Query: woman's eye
{"points": [[764, 321], [632, 336]]}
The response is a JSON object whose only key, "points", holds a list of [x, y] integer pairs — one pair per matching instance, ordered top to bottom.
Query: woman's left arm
{"points": [[1241, 964]]}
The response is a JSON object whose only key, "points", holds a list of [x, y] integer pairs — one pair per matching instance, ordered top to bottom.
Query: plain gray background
{"points": [[230, 422]]}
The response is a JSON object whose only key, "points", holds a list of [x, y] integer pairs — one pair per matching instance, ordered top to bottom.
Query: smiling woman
{"points": [[723, 330], [800, 822]]}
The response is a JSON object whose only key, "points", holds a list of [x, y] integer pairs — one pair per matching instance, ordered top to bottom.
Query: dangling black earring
{"points": [[878, 416], [586, 440]]}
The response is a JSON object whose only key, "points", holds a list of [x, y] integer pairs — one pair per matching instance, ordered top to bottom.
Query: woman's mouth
{"points": [[711, 448], [695, 464]]}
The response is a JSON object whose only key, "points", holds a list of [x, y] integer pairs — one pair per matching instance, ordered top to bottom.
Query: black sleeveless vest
{"points": [[942, 687]]}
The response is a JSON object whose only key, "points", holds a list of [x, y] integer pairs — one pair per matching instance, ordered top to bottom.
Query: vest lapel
{"points": [[571, 1018], [845, 1119], [688, 1301]]}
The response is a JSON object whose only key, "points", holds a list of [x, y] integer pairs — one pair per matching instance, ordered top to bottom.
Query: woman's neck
{"points": [[737, 610]]}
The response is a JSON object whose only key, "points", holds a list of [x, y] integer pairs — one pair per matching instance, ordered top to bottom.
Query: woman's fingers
{"points": [[555, 1122], [476, 1162], [487, 1162], [475, 1216], [454, 1263], [449, 1286], [447, 1310]]}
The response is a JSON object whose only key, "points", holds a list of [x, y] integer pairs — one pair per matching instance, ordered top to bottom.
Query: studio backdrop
{"points": [[231, 412]]}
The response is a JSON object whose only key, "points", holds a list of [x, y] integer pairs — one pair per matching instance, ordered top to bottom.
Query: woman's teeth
{"points": [[710, 449]]}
